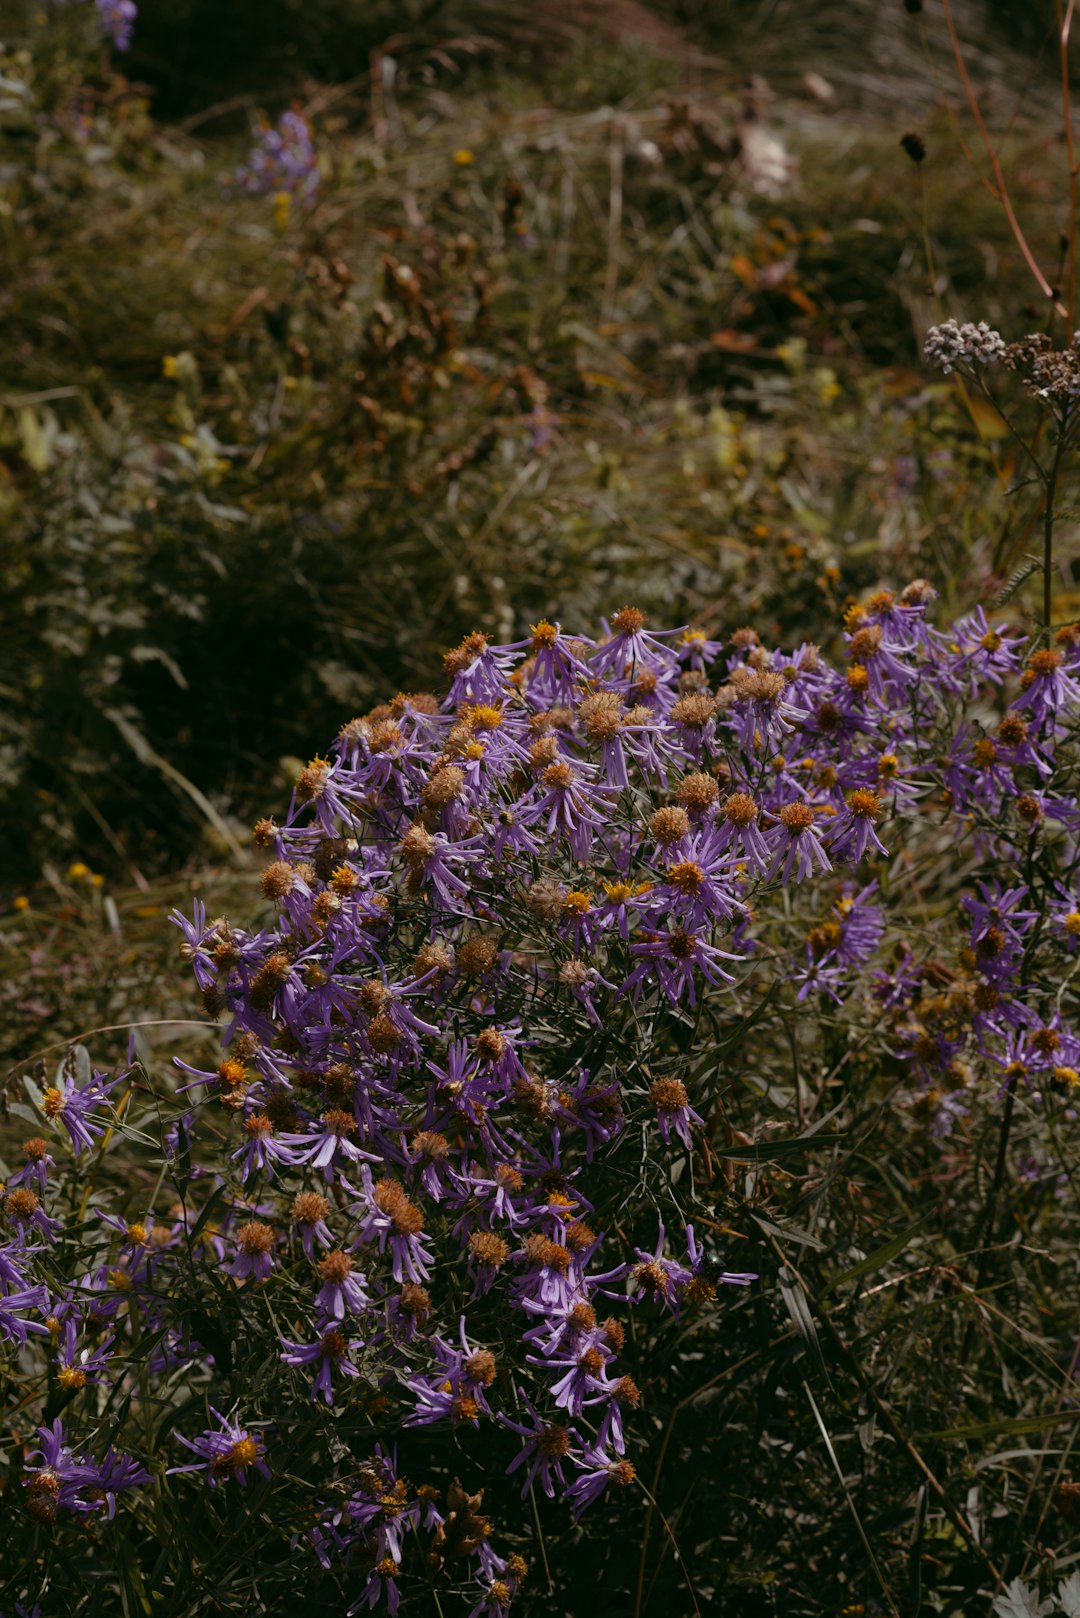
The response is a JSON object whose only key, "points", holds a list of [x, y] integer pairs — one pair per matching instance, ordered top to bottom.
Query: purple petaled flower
{"points": [[1047, 685], [853, 831], [794, 844], [502, 923], [672, 957], [73, 1105], [673, 1109], [326, 1145], [38, 1166], [391, 1218], [254, 1255], [658, 1277], [343, 1291], [13, 1327], [330, 1353], [79, 1366], [454, 1390], [547, 1446], [225, 1451], [598, 1472], [69, 1481], [381, 1586]]}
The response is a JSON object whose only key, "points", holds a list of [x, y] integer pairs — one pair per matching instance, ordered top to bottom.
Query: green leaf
{"points": [[784, 1147], [877, 1259], [794, 1296], [1010, 1424]]}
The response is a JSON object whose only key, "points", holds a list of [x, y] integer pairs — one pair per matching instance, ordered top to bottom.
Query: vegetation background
{"points": [[596, 302]]}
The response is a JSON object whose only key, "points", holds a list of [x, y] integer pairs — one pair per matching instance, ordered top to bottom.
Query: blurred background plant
{"points": [[620, 301], [555, 325]]}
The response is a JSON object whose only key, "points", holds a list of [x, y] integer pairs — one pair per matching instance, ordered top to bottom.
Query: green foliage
{"points": [[519, 358], [258, 469]]}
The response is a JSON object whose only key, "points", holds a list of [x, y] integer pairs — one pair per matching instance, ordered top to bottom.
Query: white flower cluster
{"points": [[950, 344]]}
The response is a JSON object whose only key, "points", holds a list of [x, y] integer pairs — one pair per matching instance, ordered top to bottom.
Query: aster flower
{"points": [[628, 648], [980, 652], [1046, 685], [853, 829], [793, 845], [672, 957], [74, 1103], [673, 1110], [326, 1144], [264, 1150], [38, 1165], [23, 1210], [308, 1215], [387, 1215], [254, 1256], [660, 1278], [343, 1291], [15, 1305], [330, 1353], [77, 1367], [584, 1380], [454, 1390], [547, 1446], [225, 1452], [598, 1471], [71, 1481], [381, 1585]]}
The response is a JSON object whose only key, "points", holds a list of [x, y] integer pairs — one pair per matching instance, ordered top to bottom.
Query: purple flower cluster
{"points": [[117, 18], [282, 161], [501, 925], [65, 1480]]}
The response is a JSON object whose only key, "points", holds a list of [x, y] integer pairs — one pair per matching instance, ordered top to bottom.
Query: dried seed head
{"points": [[628, 621], [458, 660], [694, 710], [601, 716], [444, 787], [697, 792], [740, 810], [669, 825], [278, 880], [545, 899], [477, 955], [433, 958], [490, 1044], [430, 1145], [21, 1203], [309, 1207], [255, 1237], [487, 1248], [336, 1267], [415, 1301], [480, 1367]]}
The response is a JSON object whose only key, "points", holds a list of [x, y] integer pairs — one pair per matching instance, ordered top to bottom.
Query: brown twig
{"points": [[1065, 24], [1000, 188], [886, 1417], [665, 1442]]}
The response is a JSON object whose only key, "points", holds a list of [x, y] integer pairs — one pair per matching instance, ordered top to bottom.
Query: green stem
{"points": [[1048, 525]]}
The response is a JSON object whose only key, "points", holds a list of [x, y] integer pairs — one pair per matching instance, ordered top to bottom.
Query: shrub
{"points": [[484, 1164]]}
